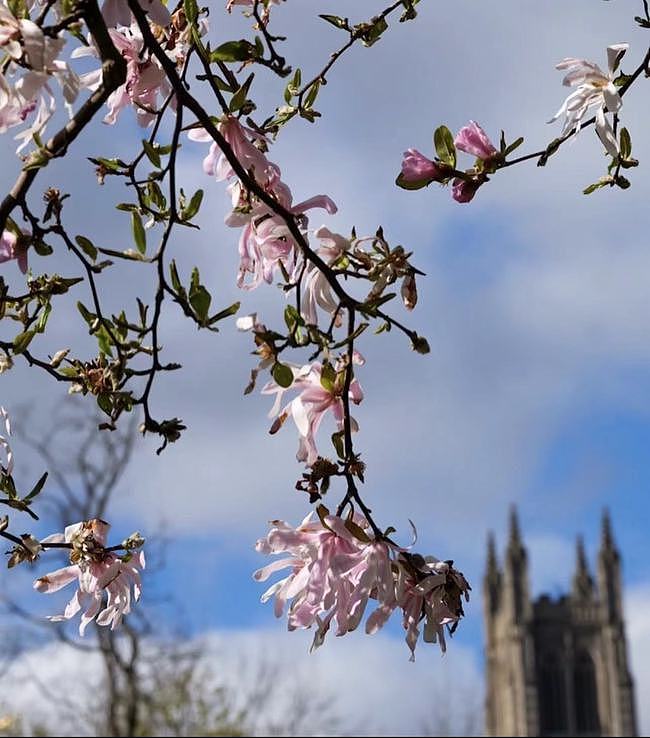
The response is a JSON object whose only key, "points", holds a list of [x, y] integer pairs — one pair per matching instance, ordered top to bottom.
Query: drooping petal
{"points": [[615, 53], [606, 133]]}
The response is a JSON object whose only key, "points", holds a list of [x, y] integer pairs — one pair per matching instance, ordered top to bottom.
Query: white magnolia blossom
{"points": [[595, 89], [5, 425]]}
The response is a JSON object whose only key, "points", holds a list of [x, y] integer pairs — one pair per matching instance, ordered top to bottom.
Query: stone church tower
{"points": [[556, 667]]}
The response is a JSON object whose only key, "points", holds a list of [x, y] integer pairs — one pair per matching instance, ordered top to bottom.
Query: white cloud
{"points": [[637, 605], [369, 684]]}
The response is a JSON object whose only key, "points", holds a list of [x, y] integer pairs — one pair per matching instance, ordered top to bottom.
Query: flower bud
{"points": [[409, 291]]}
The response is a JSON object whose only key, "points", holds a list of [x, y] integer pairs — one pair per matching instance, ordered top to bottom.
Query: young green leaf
{"points": [[443, 142], [139, 236], [86, 245], [282, 374]]}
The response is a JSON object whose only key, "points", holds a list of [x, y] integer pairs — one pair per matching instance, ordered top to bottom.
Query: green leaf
{"points": [[191, 11], [336, 21], [370, 33], [233, 51], [293, 88], [311, 96], [238, 100], [626, 144], [444, 145], [514, 145], [550, 150], [152, 154], [111, 165], [401, 182], [602, 182], [156, 195], [192, 208], [139, 236], [86, 245], [42, 248], [173, 273], [200, 300], [225, 313], [89, 317], [292, 317], [42, 321], [22, 341], [104, 341], [282, 374], [328, 377], [104, 403], [337, 442], [37, 488], [323, 513], [357, 531]]}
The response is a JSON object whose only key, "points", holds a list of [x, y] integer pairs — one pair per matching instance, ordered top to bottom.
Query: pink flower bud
{"points": [[472, 139], [417, 169], [464, 191]]}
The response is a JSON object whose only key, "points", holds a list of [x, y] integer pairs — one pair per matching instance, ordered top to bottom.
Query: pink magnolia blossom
{"points": [[117, 12], [10, 33], [33, 62], [145, 82], [472, 139], [242, 141], [419, 171], [463, 190], [265, 243], [12, 247], [316, 290], [317, 396], [7, 466], [336, 567], [97, 571], [333, 573], [429, 590]]}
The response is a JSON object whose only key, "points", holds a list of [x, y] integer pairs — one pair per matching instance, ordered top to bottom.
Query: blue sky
{"points": [[536, 305]]}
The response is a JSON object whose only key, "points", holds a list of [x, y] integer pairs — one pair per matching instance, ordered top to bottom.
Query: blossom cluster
{"points": [[33, 62], [595, 91], [418, 171], [266, 244], [319, 392], [337, 567], [98, 571]]}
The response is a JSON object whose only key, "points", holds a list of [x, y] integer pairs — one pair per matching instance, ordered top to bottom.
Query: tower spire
{"points": [[515, 534], [607, 537], [492, 563], [516, 571], [609, 572], [492, 581], [583, 584]]}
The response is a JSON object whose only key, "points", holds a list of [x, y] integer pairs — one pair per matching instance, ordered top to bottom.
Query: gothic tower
{"points": [[556, 667]]}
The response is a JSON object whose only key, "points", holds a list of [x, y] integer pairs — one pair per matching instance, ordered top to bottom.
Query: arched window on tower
{"points": [[586, 695], [553, 712]]}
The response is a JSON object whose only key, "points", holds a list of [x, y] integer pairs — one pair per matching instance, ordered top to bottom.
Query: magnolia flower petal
{"points": [[615, 53], [606, 133], [55, 580]]}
